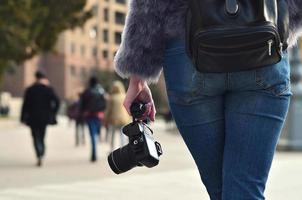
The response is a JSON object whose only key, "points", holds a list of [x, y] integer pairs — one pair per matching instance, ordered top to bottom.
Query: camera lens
{"points": [[121, 160]]}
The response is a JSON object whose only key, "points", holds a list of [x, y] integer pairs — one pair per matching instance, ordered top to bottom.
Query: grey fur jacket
{"points": [[150, 23]]}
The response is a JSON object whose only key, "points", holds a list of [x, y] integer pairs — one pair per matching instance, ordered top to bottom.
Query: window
{"points": [[121, 1], [95, 10], [106, 15], [119, 18], [105, 35], [118, 37], [72, 48], [83, 50], [94, 52], [105, 54], [73, 70], [83, 73]]}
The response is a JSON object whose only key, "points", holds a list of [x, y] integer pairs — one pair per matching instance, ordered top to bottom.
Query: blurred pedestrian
{"points": [[5, 98], [93, 104], [39, 109], [74, 113], [116, 115]]}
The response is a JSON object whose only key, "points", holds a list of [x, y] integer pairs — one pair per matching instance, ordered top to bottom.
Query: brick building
{"points": [[79, 52]]}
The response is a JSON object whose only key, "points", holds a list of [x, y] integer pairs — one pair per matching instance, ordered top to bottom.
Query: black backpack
{"points": [[236, 35], [95, 99]]}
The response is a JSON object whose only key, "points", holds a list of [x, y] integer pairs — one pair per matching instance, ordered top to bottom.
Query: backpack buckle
{"points": [[231, 7]]}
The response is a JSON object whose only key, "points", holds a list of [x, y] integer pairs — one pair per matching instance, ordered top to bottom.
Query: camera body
{"points": [[141, 142], [142, 149]]}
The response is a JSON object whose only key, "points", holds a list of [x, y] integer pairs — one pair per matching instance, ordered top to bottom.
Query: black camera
{"points": [[142, 149]]}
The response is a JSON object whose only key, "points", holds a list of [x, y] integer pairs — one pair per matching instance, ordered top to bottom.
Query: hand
{"points": [[139, 90]]}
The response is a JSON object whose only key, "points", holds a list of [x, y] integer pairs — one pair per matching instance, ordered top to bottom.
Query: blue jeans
{"points": [[230, 122], [94, 125]]}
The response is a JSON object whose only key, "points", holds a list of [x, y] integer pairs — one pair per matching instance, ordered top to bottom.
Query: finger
{"points": [[130, 97], [144, 98], [148, 110], [146, 113], [152, 113]]}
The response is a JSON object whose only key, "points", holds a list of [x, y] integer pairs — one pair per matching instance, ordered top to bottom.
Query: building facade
{"points": [[79, 53]]}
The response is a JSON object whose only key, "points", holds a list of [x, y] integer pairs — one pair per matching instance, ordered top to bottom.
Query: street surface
{"points": [[67, 173]]}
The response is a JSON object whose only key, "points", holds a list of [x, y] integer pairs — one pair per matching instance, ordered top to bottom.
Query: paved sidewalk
{"points": [[67, 174], [181, 184], [178, 185]]}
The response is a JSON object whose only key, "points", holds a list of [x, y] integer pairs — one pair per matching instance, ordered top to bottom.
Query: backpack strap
{"points": [[195, 10]]}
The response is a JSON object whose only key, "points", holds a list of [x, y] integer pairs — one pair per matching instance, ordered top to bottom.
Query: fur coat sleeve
{"points": [[295, 20], [143, 41]]}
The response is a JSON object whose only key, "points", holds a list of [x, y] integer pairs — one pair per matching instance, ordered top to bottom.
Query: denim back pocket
{"points": [[179, 75], [275, 79], [182, 84]]}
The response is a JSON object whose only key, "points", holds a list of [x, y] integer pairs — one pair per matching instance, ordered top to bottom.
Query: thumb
{"points": [[130, 97]]}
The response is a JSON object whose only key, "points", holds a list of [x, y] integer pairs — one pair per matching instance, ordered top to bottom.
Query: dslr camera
{"points": [[142, 149]]}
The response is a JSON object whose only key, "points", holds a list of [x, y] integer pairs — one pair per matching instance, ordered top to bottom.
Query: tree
{"points": [[29, 27]]}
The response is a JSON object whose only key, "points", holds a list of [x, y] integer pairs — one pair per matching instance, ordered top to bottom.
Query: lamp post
{"points": [[291, 138]]}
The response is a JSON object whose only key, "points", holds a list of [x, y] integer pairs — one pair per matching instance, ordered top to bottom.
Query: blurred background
{"points": [[70, 41]]}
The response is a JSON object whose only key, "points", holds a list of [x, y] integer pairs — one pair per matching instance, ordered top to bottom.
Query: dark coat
{"points": [[150, 23], [40, 105]]}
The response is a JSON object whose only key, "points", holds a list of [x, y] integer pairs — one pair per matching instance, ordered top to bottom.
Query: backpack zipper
{"points": [[264, 28], [270, 44]]}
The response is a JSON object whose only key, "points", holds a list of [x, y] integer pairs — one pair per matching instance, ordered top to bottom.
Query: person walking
{"points": [[227, 79], [93, 105], [39, 109], [74, 113], [116, 115]]}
